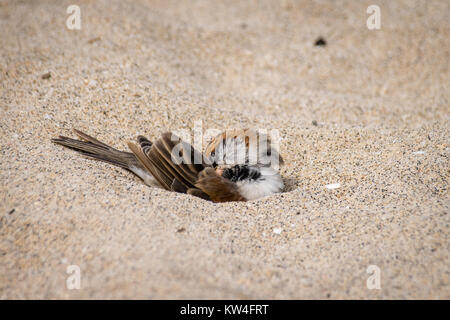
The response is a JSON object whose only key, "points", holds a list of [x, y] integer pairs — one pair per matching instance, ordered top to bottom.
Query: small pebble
{"points": [[94, 40], [320, 42], [46, 76], [333, 186], [277, 230]]}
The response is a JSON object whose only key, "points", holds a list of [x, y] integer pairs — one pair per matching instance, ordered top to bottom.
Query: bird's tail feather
{"points": [[98, 150]]}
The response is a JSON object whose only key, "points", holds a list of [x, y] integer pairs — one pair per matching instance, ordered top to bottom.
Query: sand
{"points": [[379, 100]]}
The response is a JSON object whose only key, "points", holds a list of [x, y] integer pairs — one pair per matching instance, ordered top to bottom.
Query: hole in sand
{"points": [[290, 184]]}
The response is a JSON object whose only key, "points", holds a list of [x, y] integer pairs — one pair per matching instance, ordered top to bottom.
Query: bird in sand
{"points": [[238, 164]]}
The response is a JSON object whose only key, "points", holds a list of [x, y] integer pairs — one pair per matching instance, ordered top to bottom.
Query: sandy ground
{"points": [[380, 99]]}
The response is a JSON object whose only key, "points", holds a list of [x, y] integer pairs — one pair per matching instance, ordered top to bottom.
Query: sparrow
{"points": [[238, 164]]}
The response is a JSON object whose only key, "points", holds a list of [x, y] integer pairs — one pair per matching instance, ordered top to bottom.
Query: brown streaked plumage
{"points": [[249, 136], [175, 165], [217, 187]]}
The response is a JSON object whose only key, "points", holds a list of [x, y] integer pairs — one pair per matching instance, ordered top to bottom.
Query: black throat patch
{"points": [[241, 172]]}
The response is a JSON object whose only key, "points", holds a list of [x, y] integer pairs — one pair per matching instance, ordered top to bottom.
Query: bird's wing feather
{"points": [[181, 156], [171, 161], [158, 174], [217, 187], [198, 193]]}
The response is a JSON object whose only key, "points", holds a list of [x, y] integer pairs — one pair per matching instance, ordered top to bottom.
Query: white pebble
{"points": [[419, 152], [333, 186], [277, 230]]}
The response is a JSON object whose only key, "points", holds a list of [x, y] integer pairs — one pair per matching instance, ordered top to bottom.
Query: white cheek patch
{"points": [[234, 151], [231, 152], [268, 183]]}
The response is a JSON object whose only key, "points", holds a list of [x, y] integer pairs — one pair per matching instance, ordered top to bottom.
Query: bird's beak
{"points": [[219, 172]]}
